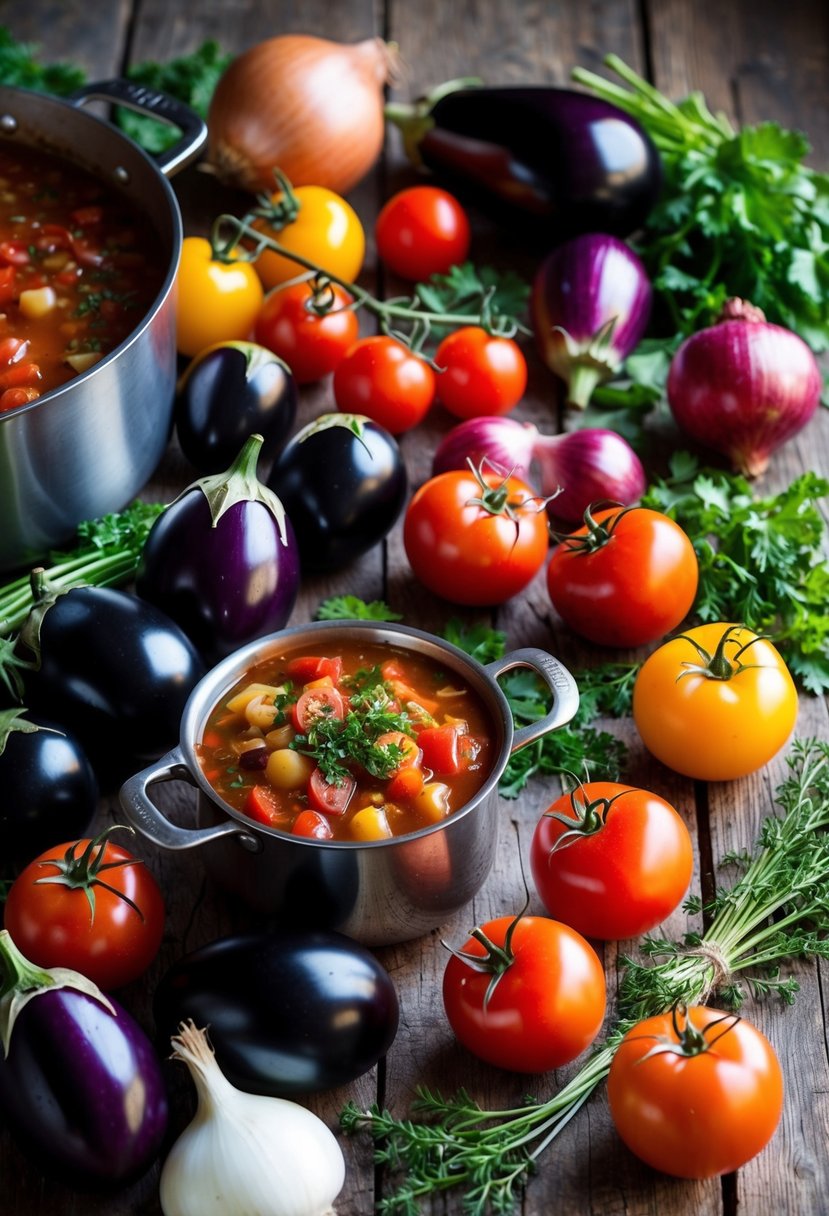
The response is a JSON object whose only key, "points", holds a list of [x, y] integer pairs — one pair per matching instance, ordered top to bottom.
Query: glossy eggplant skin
{"points": [[559, 160], [228, 393], [343, 483], [224, 585], [117, 671], [48, 792], [291, 1012], [82, 1090]]}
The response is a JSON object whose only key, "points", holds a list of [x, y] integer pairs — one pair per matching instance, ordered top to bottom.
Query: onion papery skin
{"points": [[310, 107], [590, 306], [742, 388], [573, 470]]}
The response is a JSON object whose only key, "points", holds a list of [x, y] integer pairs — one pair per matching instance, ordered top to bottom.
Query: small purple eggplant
{"points": [[590, 306], [222, 559], [80, 1085]]}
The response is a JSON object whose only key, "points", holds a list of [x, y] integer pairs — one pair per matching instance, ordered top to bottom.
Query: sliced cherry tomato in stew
{"points": [[313, 667], [314, 703], [328, 797], [263, 805], [312, 823]]}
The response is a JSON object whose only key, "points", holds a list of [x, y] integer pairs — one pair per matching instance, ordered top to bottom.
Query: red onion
{"points": [[590, 305], [743, 386], [585, 465]]}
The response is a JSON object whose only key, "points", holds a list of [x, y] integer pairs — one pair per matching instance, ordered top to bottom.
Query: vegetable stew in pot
{"points": [[79, 269], [363, 742]]}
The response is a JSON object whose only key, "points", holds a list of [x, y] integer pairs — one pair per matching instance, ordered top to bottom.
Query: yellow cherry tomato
{"points": [[326, 230], [215, 301], [720, 719]]}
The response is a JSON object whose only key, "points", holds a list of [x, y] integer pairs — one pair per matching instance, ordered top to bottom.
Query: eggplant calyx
{"points": [[414, 119], [255, 357], [582, 365], [239, 484], [45, 595], [11, 666], [11, 720], [82, 873], [21, 981]]}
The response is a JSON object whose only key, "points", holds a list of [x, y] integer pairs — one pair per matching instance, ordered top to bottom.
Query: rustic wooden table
{"points": [[753, 60]]}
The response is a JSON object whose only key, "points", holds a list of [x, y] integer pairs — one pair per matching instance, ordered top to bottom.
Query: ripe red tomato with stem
{"points": [[422, 231], [311, 342], [481, 373], [383, 379], [475, 537], [626, 578], [611, 860], [88, 905], [525, 993], [695, 1092]]}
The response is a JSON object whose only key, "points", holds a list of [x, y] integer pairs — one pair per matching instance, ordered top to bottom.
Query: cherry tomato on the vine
{"points": [[326, 230], [422, 231], [215, 301], [312, 345], [481, 373], [384, 380], [475, 538], [627, 577], [715, 703], [611, 860], [88, 905], [547, 1006], [695, 1093]]}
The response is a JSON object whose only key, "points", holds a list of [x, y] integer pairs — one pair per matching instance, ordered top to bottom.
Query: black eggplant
{"points": [[559, 161], [227, 393], [343, 482], [222, 559], [112, 667], [48, 790], [287, 1012], [80, 1085]]}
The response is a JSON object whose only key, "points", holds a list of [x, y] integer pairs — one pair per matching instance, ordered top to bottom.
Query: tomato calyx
{"points": [[281, 209], [495, 500], [598, 533], [718, 666], [588, 818], [82, 873], [497, 960], [688, 1040]]}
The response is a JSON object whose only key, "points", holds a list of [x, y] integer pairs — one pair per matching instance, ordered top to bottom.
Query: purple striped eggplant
{"points": [[590, 305], [81, 1088]]}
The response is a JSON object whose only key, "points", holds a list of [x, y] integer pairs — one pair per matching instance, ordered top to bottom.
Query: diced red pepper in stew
{"points": [[14, 253], [13, 397], [313, 667], [441, 752], [263, 805], [313, 824]]}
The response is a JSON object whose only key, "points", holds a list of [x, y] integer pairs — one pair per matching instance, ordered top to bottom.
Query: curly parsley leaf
{"points": [[21, 67], [189, 78], [469, 289], [762, 561], [352, 608]]}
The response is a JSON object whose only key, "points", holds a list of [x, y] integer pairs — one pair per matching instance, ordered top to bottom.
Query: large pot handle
{"points": [[157, 105], [557, 678], [142, 813]]}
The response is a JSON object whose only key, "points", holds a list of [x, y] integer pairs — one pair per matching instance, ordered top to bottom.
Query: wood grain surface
{"points": [[755, 60]]}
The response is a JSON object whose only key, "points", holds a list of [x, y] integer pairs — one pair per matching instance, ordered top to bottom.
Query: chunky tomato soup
{"points": [[78, 272], [361, 742]]}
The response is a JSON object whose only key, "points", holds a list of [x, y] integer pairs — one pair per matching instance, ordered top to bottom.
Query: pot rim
{"points": [[167, 194], [221, 678]]}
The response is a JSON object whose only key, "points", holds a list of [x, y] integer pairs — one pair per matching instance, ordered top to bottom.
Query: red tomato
{"points": [[422, 231], [311, 345], [482, 374], [382, 379], [469, 553], [626, 578], [314, 667], [316, 703], [440, 749], [328, 797], [263, 805], [313, 824], [624, 866], [104, 918], [548, 1005], [703, 1106]]}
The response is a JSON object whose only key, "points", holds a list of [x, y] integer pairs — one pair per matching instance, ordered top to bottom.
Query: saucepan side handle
{"points": [[155, 105], [557, 678], [142, 813]]}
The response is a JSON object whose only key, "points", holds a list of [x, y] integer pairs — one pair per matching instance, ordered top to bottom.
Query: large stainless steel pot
{"points": [[88, 447], [377, 892]]}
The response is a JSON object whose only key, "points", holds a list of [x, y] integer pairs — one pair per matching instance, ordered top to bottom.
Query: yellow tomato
{"points": [[326, 230], [215, 301], [720, 719]]}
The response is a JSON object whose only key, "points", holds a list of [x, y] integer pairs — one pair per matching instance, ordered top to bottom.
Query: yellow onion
{"points": [[310, 107]]}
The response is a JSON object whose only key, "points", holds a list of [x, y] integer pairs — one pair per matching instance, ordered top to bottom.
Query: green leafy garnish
{"points": [[20, 67], [189, 78], [463, 290], [761, 560], [352, 608], [338, 744]]}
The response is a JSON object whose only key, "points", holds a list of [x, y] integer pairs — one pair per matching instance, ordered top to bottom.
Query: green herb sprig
{"points": [[778, 909]]}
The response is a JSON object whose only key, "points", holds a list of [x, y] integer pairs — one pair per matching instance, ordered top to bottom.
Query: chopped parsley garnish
{"points": [[338, 744]]}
